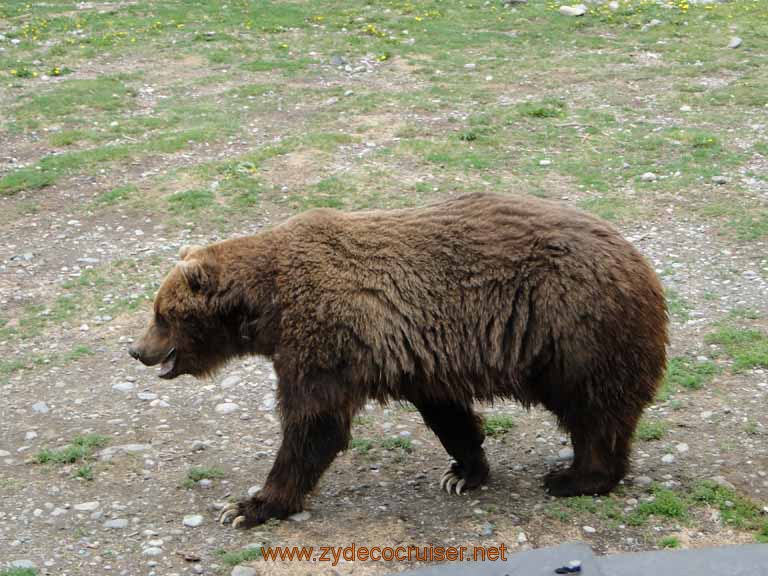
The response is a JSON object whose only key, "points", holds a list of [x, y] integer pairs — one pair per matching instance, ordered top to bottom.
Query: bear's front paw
{"points": [[252, 512]]}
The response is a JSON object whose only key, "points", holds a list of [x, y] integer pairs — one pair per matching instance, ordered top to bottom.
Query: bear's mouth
{"points": [[168, 366]]}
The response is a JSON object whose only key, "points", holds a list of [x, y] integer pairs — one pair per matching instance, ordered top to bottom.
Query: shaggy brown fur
{"points": [[475, 298]]}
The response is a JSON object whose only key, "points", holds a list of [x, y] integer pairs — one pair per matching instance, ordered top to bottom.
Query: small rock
{"points": [[613, 5], [577, 10], [652, 24], [735, 42], [337, 60], [685, 108], [545, 162], [648, 177], [719, 179], [230, 381], [123, 386], [147, 395], [40, 408], [227, 408], [707, 414], [31, 435], [199, 445], [682, 447], [4, 453], [565, 454], [667, 459], [643, 480], [205, 483], [253, 489], [87, 506], [300, 517], [193, 520], [116, 524], [487, 529], [588, 529], [522, 538], [152, 551], [28, 564], [243, 571]]}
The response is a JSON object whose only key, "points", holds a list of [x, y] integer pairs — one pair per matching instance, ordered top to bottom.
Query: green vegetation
{"points": [[748, 347], [685, 374], [497, 424], [649, 429], [396, 442], [361, 445], [81, 448], [197, 473], [665, 504], [669, 542], [237, 557], [18, 572]]}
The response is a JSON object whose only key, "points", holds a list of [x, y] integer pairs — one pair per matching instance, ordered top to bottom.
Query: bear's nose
{"points": [[134, 353]]}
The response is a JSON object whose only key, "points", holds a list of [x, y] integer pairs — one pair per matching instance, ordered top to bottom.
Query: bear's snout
{"points": [[135, 354]]}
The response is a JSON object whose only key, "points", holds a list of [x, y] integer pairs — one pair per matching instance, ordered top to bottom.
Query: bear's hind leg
{"points": [[461, 433], [601, 459]]}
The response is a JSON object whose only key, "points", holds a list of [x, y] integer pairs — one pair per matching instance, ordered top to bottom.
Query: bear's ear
{"points": [[189, 250], [200, 276]]}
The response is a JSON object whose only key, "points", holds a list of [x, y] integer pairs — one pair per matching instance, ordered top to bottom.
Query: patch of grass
{"points": [[546, 108], [116, 195], [191, 201], [613, 208], [677, 305], [748, 347], [78, 352], [685, 373], [497, 424], [649, 430], [396, 442], [361, 445], [80, 449], [84, 472], [197, 473], [665, 504], [735, 509], [669, 542], [237, 557], [18, 572]]}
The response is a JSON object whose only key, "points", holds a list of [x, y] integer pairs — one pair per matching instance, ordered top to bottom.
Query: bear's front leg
{"points": [[310, 444]]}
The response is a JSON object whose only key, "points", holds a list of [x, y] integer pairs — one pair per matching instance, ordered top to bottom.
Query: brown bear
{"points": [[479, 297]]}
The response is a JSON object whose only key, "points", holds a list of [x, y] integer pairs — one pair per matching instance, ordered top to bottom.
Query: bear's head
{"points": [[188, 333]]}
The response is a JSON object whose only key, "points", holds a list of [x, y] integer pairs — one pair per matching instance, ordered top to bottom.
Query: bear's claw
{"points": [[451, 480], [231, 513]]}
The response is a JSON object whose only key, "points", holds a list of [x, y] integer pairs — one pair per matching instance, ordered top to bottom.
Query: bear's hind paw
{"points": [[451, 480], [231, 513]]}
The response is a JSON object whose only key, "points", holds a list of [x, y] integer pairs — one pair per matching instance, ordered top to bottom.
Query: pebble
{"points": [[613, 5], [577, 10], [653, 23], [735, 42], [545, 162], [648, 177], [719, 179], [230, 381], [123, 386], [147, 395], [40, 408], [227, 408], [707, 414], [31, 435], [199, 445], [682, 447], [4, 453], [109, 453], [565, 454], [667, 458], [643, 480], [253, 489], [87, 506], [300, 517], [193, 520], [116, 524], [487, 529], [588, 529], [522, 538], [152, 551], [28, 564], [243, 571]]}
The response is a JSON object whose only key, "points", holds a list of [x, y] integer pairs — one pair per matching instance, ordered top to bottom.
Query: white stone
{"points": [[577, 10], [735, 42], [648, 177], [230, 381], [123, 386], [147, 395], [40, 408], [227, 408], [682, 447], [667, 459], [253, 489], [87, 506], [300, 517], [192, 520], [116, 524], [589, 529], [522, 538], [152, 551], [243, 571]]}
